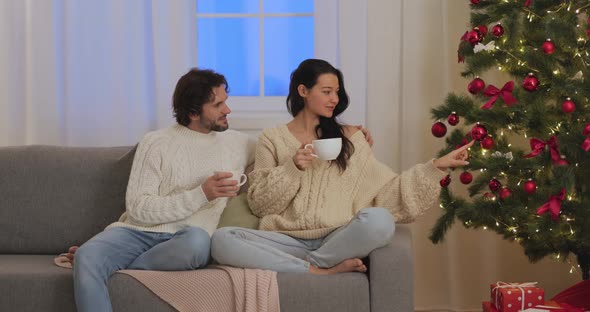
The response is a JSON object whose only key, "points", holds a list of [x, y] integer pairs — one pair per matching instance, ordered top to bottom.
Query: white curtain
{"points": [[90, 73]]}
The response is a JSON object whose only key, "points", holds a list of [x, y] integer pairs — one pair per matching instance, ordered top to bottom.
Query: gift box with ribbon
{"points": [[514, 297]]}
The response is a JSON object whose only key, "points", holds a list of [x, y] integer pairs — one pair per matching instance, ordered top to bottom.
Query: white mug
{"points": [[326, 149], [236, 175]]}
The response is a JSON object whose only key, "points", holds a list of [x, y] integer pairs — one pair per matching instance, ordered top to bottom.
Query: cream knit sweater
{"points": [[164, 191], [311, 203]]}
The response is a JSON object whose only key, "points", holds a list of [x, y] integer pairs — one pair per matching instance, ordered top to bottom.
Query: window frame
{"points": [[343, 44]]}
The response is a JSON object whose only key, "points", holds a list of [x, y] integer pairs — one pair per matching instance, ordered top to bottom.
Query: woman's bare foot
{"points": [[70, 254], [348, 265]]}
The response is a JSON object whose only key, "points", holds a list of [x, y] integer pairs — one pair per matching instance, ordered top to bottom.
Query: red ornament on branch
{"points": [[474, 1], [483, 29], [498, 30], [473, 37], [548, 47], [530, 83], [476, 85], [568, 106], [453, 119], [439, 129], [478, 132], [487, 143], [586, 143], [466, 177], [444, 182], [494, 185], [530, 186], [505, 193]]}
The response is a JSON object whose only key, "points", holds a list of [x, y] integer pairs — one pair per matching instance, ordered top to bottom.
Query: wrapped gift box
{"points": [[507, 297], [487, 306]]}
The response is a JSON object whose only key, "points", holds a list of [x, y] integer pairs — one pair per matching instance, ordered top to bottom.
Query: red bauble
{"points": [[474, 1], [483, 30], [498, 30], [588, 32], [474, 37], [548, 47], [530, 83], [476, 85], [568, 106], [453, 119], [439, 129], [586, 130], [478, 132], [463, 142], [487, 143], [466, 177], [444, 182], [494, 185], [530, 186], [505, 193]]}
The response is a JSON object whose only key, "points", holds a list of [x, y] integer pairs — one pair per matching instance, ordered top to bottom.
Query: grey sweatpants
{"points": [[370, 228]]}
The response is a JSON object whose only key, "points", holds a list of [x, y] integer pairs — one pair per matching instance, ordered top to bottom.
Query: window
{"points": [[255, 44]]}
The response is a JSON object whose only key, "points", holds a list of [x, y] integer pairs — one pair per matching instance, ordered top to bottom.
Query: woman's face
{"points": [[322, 98]]}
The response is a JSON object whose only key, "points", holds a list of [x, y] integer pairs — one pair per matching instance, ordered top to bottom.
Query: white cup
{"points": [[326, 149], [236, 175]]}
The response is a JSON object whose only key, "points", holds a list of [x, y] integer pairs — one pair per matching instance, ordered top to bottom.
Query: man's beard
{"points": [[213, 126]]}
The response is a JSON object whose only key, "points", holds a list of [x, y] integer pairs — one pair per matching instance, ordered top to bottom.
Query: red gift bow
{"points": [[505, 94], [538, 146], [553, 205]]}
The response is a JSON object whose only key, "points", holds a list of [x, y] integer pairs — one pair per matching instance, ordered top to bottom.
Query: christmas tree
{"points": [[529, 171]]}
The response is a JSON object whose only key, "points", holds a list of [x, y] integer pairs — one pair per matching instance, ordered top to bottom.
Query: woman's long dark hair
{"points": [[307, 74]]}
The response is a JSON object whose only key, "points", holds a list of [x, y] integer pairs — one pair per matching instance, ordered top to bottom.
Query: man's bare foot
{"points": [[348, 265]]}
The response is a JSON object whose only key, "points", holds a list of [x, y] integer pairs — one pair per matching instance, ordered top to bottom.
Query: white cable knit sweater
{"points": [[164, 192]]}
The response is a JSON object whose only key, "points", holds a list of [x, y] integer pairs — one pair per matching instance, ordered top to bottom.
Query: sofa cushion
{"points": [[54, 197], [238, 213], [34, 283]]}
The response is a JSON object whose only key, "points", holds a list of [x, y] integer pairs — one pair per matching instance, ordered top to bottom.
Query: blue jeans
{"points": [[370, 229], [122, 248]]}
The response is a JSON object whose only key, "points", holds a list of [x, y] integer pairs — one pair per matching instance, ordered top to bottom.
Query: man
{"points": [[176, 193]]}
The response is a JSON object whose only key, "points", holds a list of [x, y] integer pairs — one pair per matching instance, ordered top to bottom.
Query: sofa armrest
{"points": [[391, 274]]}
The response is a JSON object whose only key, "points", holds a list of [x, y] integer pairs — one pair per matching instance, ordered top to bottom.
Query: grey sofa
{"points": [[54, 197]]}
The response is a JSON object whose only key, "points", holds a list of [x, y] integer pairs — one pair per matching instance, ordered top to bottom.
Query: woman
{"points": [[320, 216]]}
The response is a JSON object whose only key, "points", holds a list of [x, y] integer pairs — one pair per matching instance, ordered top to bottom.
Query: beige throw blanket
{"points": [[215, 288]]}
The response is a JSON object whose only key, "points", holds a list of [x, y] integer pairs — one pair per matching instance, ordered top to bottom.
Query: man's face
{"points": [[213, 116]]}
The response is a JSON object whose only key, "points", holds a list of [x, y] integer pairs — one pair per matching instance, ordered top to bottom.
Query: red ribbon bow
{"points": [[505, 94], [538, 146], [553, 205]]}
